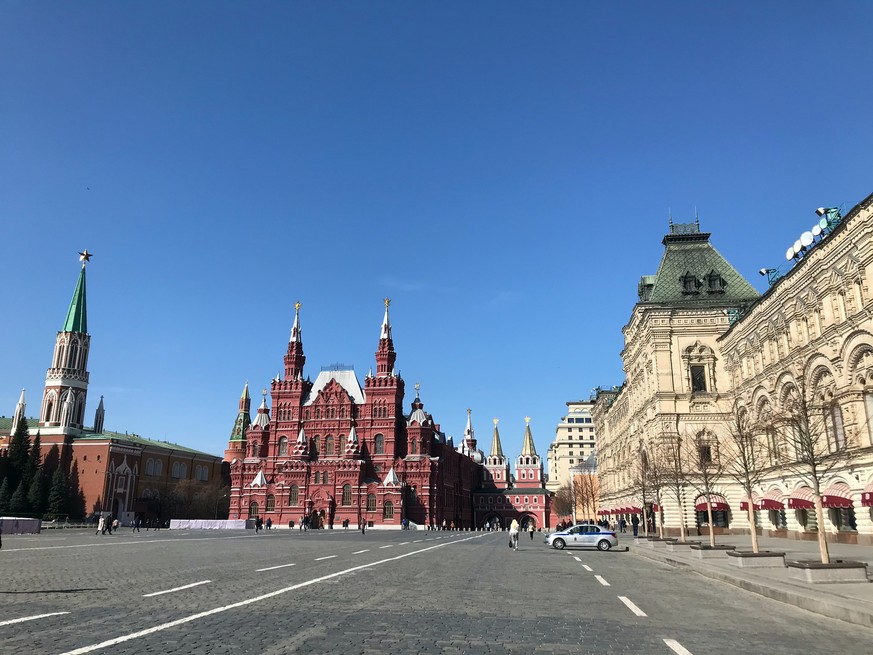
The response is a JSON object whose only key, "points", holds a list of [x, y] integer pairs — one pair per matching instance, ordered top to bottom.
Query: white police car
{"points": [[583, 535]]}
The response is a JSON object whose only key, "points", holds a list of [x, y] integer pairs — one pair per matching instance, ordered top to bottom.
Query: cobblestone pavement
{"points": [[401, 592]]}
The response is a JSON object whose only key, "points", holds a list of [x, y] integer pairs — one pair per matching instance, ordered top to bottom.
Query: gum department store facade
{"points": [[700, 339], [334, 451]]}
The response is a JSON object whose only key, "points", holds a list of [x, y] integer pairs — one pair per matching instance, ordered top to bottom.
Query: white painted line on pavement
{"points": [[417, 541], [123, 543], [403, 543], [388, 546], [358, 552], [318, 559], [577, 559], [270, 568], [587, 568], [601, 581], [169, 591], [249, 601], [631, 606], [30, 618], [676, 647]]}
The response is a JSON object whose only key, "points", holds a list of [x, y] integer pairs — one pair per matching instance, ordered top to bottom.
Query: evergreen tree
{"points": [[19, 445], [34, 458], [59, 494], [36, 495], [4, 496], [18, 502], [76, 503]]}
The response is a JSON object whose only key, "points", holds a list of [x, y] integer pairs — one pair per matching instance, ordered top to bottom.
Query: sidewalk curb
{"points": [[817, 601]]}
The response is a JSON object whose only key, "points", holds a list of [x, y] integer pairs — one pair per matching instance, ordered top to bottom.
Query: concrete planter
{"points": [[681, 546], [710, 552], [766, 559], [836, 571]]}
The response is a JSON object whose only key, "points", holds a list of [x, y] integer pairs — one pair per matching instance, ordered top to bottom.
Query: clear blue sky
{"points": [[503, 171]]}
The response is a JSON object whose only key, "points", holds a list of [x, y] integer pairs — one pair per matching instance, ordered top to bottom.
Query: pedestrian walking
{"points": [[269, 524], [635, 524], [101, 525], [530, 528], [513, 534]]}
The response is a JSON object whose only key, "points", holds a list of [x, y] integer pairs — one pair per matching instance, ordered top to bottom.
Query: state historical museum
{"points": [[333, 452]]}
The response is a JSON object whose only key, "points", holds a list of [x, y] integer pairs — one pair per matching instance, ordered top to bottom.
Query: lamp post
{"points": [[217, 503]]}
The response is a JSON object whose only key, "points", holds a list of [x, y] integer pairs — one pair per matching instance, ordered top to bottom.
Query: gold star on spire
{"points": [[85, 256], [387, 302], [297, 307], [527, 420], [496, 421]]}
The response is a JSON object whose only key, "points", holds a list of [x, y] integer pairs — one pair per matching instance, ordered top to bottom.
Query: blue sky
{"points": [[503, 171]]}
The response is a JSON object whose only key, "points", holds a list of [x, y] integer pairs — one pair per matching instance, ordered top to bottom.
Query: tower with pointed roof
{"points": [[66, 381], [383, 410], [468, 443], [237, 445], [497, 466], [529, 466]]}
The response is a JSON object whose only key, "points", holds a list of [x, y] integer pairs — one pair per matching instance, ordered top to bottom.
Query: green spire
{"points": [[77, 317]]}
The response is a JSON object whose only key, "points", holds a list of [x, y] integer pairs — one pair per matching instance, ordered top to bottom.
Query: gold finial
{"points": [[85, 257], [387, 302], [297, 307], [468, 411], [527, 420], [496, 421]]}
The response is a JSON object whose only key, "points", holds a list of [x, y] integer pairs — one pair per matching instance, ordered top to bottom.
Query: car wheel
{"points": [[559, 544], [603, 544]]}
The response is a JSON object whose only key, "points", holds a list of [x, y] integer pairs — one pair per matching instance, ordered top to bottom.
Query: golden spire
{"points": [[387, 302], [297, 307]]}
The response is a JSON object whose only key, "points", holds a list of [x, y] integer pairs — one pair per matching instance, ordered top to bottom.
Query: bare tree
{"points": [[812, 437], [746, 458], [673, 467], [705, 468], [657, 481], [641, 484], [585, 489], [562, 502]]}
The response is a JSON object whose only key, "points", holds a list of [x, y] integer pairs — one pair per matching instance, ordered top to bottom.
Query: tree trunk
{"points": [[751, 510], [709, 521], [645, 522], [683, 536], [822, 537]]}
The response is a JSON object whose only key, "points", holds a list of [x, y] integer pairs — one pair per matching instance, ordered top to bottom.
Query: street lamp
{"points": [[217, 503]]}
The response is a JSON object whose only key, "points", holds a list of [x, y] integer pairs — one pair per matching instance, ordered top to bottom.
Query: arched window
{"points": [[73, 356], [48, 410], [835, 429], [379, 444], [283, 446], [316, 446], [328, 446], [413, 447], [150, 466], [159, 467], [176, 469], [183, 471], [197, 472], [204, 472], [315, 477], [347, 495], [293, 497], [371, 502], [271, 503], [253, 509], [388, 510]]}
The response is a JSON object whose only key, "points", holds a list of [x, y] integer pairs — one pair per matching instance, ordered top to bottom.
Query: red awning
{"points": [[837, 495], [867, 496], [802, 498], [772, 500], [718, 502], [756, 502], [656, 507], [633, 510]]}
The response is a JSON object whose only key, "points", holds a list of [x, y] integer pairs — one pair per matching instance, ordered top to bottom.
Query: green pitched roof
{"points": [[692, 272], [77, 317]]}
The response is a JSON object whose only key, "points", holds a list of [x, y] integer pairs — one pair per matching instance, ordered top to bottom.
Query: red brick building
{"points": [[336, 451]]}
